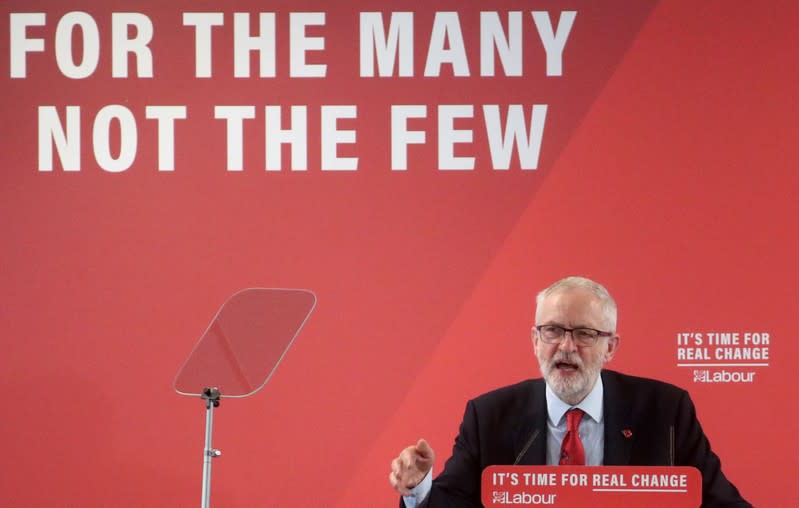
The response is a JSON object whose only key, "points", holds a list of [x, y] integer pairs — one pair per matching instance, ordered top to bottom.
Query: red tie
{"points": [[571, 451]]}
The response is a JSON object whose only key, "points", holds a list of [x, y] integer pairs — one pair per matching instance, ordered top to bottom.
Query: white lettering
{"points": [[202, 23], [446, 27], [374, 40], [554, 41], [243, 44], [301, 44], [21, 45], [63, 45], [121, 45], [509, 48], [166, 116], [235, 116], [448, 136], [296, 137], [332, 137], [401, 137], [128, 138], [501, 142], [67, 143]]}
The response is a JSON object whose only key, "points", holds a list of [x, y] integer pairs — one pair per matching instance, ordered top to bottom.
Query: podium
{"points": [[594, 486]]}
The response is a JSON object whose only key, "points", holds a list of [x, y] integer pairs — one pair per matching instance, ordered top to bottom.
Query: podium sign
{"points": [[595, 486]]}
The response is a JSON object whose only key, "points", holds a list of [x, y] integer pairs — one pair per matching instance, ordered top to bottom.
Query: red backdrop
{"points": [[667, 171]]}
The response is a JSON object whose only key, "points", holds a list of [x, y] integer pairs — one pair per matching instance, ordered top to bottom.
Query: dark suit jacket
{"points": [[497, 425]]}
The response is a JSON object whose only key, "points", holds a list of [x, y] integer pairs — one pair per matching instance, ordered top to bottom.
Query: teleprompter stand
{"points": [[239, 352]]}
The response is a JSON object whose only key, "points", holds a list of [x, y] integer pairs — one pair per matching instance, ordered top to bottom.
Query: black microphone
{"points": [[671, 445], [526, 447]]}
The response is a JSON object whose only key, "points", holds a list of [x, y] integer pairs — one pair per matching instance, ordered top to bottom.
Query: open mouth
{"points": [[567, 366]]}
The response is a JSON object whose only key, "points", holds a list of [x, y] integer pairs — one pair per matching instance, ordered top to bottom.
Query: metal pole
{"points": [[211, 397]]}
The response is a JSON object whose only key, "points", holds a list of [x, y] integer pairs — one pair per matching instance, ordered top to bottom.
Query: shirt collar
{"points": [[591, 404]]}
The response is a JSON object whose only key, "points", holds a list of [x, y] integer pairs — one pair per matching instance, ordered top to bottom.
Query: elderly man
{"points": [[577, 414]]}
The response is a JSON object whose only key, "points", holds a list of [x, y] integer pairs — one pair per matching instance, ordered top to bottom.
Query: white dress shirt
{"points": [[592, 426]]}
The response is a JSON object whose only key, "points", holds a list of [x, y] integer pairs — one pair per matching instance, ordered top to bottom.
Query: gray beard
{"points": [[575, 388]]}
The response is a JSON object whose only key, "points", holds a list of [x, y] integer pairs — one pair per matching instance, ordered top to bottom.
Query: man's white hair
{"points": [[576, 282]]}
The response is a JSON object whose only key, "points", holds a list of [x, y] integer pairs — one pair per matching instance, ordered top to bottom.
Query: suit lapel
{"points": [[619, 435], [530, 441]]}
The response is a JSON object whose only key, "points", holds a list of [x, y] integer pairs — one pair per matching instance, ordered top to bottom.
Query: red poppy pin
{"points": [[627, 433]]}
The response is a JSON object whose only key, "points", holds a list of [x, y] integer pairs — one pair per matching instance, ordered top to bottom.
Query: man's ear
{"points": [[612, 346]]}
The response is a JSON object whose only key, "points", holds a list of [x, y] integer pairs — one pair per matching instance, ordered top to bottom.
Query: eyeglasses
{"points": [[553, 334]]}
